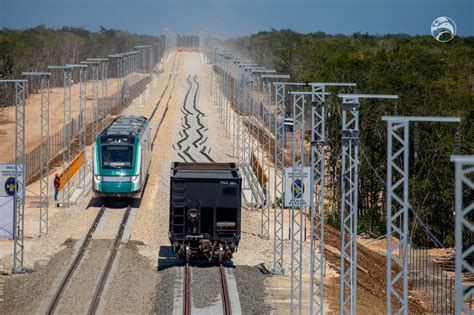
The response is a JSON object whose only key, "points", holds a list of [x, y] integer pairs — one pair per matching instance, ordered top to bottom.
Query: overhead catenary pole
{"points": [[203, 45], [118, 58], [104, 71], [225, 93], [95, 97], [104, 108], [235, 120], [268, 120], [82, 121], [246, 132], [67, 134], [318, 143], [398, 146], [254, 147], [44, 148], [265, 168], [20, 174], [250, 181], [278, 195], [349, 197], [297, 210], [464, 225]]}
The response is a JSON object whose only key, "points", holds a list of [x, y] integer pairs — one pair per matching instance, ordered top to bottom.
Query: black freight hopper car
{"points": [[205, 207]]}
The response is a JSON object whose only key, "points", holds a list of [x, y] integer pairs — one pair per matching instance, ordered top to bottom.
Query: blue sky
{"points": [[240, 17]]}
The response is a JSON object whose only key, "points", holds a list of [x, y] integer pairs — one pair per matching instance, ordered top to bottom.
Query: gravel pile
{"points": [[252, 292]]}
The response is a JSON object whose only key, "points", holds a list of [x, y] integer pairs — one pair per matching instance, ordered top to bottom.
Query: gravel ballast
{"points": [[131, 288], [205, 290], [164, 291], [252, 292], [24, 294], [78, 294]]}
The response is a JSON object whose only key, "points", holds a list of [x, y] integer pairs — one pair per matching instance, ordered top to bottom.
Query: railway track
{"points": [[175, 73], [166, 86], [78, 258], [110, 261], [224, 290], [52, 307]]}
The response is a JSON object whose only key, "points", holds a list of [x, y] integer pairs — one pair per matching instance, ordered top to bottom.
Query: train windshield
{"points": [[117, 156]]}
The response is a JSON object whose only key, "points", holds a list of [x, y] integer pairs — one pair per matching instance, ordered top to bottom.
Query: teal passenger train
{"points": [[122, 156]]}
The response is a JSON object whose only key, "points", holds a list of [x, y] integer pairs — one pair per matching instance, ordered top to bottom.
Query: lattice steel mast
{"points": [[82, 121], [67, 134], [398, 146], [44, 149], [20, 174], [349, 197], [464, 223]]}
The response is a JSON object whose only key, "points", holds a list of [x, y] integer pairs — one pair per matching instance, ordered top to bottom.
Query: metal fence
{"points": [[434, 278]]}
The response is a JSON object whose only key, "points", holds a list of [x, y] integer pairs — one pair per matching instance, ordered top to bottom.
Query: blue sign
{"points": [[10, 186], [297, 189]]}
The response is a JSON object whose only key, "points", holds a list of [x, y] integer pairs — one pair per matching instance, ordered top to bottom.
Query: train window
{"points": [[117, 156]]}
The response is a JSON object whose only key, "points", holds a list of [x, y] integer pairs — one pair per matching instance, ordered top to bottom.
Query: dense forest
{"points": [[35, 48], [431, 78]]}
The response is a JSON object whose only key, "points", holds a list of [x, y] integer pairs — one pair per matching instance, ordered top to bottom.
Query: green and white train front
{"points": [[120, 165]]}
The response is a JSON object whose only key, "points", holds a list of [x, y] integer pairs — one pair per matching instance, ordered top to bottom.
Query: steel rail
{"points": [[85, 243], [110, 261], [187, 290], [224, 291]]}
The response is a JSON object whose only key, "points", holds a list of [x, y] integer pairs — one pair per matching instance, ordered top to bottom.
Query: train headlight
{"points": [[135, 177], [98, 178], [193, 214]]}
